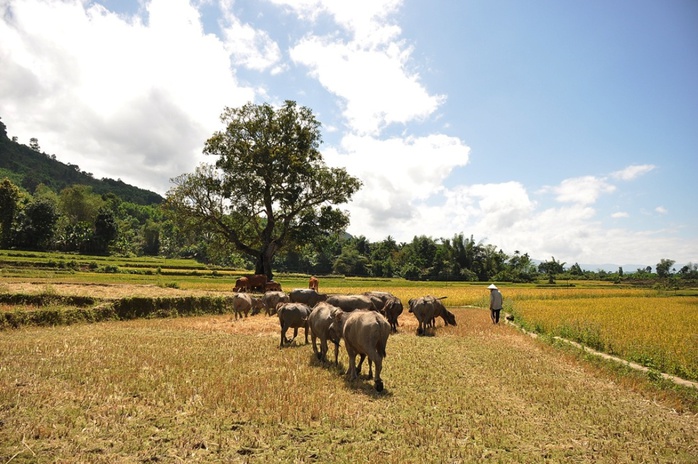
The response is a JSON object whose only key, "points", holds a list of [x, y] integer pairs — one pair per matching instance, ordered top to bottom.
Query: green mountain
{"points": [[28, 167]]}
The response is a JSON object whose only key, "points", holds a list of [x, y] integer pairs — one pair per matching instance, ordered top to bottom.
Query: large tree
{"points": [[269, 188]]}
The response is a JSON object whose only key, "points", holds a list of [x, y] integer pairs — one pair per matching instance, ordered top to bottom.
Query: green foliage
{"points": [[35, 168], [269, 189], [9, 199]]}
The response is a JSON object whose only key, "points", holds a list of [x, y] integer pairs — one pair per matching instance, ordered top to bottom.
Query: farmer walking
{"points": [[495, 303]]}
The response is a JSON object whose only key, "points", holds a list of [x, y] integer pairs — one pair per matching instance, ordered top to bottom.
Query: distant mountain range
{"points": [[29, 167]]}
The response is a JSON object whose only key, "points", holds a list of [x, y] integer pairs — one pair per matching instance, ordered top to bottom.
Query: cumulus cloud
{"points": [[370, 73], [135, 93], [397, 173], [661, 210], [620, 215]]}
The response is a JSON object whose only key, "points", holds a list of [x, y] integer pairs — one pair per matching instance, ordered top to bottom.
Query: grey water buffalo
{"points": [[306, 296], [379, 298], [271, 299], [243, 303], [350, 303], [426, 308], [392, 310], [292, 316], [320, 322], [365, 333]]}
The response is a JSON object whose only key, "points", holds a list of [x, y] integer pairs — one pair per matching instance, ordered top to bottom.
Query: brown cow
{"points": [[258, 282], [313, 283], [242, 285], [272, 286]]}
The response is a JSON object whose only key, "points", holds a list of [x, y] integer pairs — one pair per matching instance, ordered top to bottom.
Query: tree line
{"points": [[268, 203], [78, 220]]}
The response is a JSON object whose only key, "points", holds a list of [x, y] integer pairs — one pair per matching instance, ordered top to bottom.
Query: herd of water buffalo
{"points": [[363, 321]]}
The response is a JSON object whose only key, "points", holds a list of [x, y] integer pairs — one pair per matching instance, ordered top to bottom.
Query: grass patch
{"points": [[209, 388]]}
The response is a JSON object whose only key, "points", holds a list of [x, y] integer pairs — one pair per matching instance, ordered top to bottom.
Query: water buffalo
{"points": [[242, 285], [306, 296], [379, 298], [271, 299], [243, 303], [350, 303], [426, 308], [392, 309], [295, 316], [320, 321], [365, 333]]}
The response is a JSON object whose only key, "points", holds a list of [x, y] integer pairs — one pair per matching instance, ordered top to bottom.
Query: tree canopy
{"points": [[269, 188]]}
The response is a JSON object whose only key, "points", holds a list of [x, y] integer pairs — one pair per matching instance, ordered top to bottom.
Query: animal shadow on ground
{"points": [[364, 384]]}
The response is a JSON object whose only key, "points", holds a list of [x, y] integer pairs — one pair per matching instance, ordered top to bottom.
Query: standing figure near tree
{"points": [[495, 303]]}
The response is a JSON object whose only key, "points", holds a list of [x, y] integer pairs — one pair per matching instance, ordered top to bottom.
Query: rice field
{"points": [[213, 389]]}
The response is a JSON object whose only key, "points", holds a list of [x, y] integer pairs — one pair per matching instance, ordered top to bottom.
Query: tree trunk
{"points": [[264, 260]]}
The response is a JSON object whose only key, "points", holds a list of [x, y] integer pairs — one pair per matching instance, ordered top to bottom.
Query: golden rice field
{"points": [[658, 332]]}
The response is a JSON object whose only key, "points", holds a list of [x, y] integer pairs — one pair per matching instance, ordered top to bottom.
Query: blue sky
{"points": [[563, 129]]}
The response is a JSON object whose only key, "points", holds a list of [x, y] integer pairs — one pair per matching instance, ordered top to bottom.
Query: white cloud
{"points": [[249, 47], [370, 73], [140, 95], [632, 172], [398, 175], [583, 190], [661, 210], [620, 215]]}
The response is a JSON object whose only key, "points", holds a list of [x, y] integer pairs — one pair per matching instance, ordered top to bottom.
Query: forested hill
{"points": [[29, 167]]}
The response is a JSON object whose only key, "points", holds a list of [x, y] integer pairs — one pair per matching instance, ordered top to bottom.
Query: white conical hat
{"points": [[492, 287]]}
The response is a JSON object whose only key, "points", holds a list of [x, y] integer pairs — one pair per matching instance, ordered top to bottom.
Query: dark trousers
{"points": [[494, 313]]}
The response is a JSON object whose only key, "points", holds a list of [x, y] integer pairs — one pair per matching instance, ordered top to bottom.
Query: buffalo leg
{"points": [[379, 367]]}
